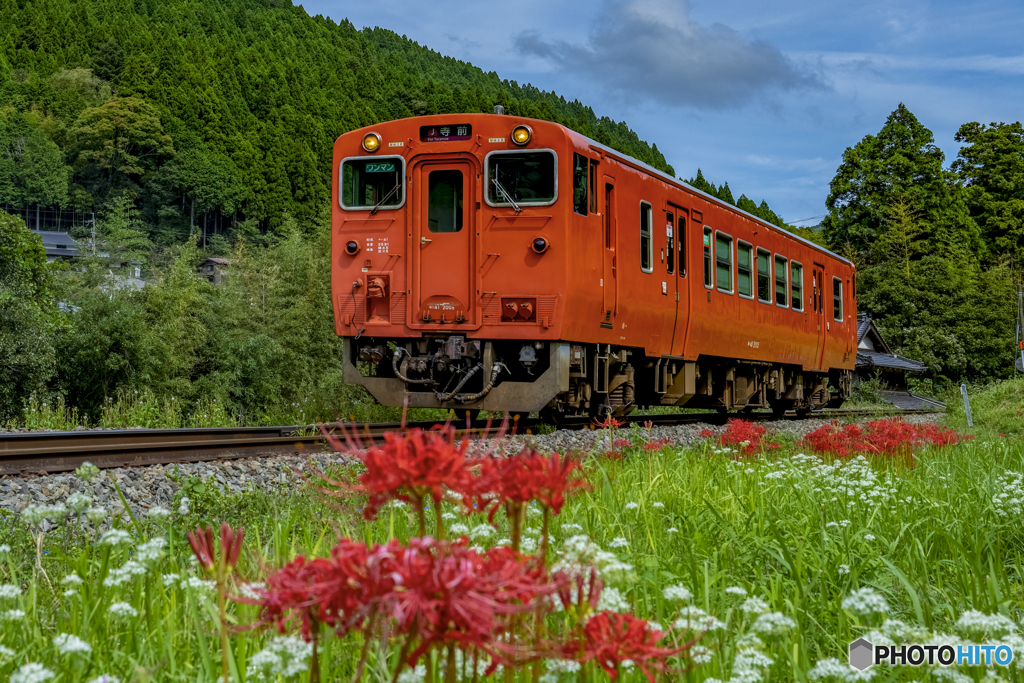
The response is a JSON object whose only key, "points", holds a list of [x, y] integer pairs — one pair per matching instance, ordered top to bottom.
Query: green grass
{"points": [[996, 408], [785, 528]]}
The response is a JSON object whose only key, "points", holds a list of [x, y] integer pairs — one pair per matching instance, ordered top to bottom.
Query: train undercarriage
{"points": [[559, 379]]}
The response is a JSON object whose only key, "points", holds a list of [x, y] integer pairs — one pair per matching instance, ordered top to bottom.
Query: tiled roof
{"points": [[869, 359]]}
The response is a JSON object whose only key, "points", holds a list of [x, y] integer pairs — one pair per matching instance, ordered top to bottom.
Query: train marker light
{"points": [[521, 135], [371, 142], [540, 245], [352, 248]]}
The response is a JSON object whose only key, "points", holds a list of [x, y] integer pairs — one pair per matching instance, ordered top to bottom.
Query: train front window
{"points": [[521, 178], [374, 183], [444, 208]]}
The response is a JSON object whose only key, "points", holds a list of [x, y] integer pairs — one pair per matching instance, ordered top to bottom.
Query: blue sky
{"points": [[765, 95]]}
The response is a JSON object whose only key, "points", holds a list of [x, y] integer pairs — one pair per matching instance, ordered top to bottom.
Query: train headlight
{"points": [[521, 135], [371, 142], [540, 245], [352, 248]]}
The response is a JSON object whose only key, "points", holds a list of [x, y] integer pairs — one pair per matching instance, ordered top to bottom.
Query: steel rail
{"points": [[39, 452]]}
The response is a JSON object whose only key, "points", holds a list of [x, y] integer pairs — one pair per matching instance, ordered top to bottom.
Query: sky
{"points": [[764, 95]]}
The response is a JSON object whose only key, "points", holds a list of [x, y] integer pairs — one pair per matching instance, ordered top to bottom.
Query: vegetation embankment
{"points": [[774, 556]]}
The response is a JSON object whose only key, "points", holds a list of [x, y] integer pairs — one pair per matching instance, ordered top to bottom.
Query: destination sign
{"points": [[462, 131], [382, 167]]}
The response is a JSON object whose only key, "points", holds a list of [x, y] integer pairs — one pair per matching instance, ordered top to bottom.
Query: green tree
{"points": [[108, 60], [123, 136], [901, 161], [991, 166], [32, 170], [122, 236], [27, 315]]}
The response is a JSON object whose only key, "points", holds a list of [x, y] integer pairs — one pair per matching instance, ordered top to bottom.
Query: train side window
{"points": [[580, 184], [593, 186], [444, 206], [681, 238], [646, 243], [670, 245], [707, 257], [723, 262], [744, 270], [764, 276], [781, 284], [796, 286], [837, 299]]}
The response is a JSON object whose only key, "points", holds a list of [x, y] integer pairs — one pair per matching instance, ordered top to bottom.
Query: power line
{"points": [[804, 220]]}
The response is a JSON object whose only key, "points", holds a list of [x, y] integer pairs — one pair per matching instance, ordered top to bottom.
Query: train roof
{"points": [[711, 198]]}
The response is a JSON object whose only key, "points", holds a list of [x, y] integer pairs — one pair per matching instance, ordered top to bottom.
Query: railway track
{"points": [[65, 451]]}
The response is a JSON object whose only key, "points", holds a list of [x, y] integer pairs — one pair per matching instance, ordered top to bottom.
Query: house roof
{"points": [[57, 243], [216, 261], [866, 329], [889, 361]]}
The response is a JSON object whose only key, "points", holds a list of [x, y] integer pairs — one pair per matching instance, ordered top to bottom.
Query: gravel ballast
{"points": [[156, 485]]}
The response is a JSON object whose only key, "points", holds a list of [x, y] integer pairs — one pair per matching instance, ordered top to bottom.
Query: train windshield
{"points": [[521, 178], [374, 183]]}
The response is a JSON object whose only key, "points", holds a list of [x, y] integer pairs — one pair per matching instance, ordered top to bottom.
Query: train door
{"points": [[443, 240], [675, 264], [610, 280], [818, 296]]}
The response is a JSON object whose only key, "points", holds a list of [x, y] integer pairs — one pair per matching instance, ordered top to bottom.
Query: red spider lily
{"points": [[608, 423], [648, 424], [706, 433], [747, 435], [882, 437], [621, 443], [657, 445], [614, 455], [409, 467], [527, 476], [205, 551], [579, 593], [448, 594], [610, 638]]}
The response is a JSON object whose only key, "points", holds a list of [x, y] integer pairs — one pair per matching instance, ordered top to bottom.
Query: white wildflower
{"points": [[78, 502], [658, 504], [183, 505], [631, 506], [158, 513], [96, 515], [448, 515], [572, 526], [458, 529], [672, 530], [481, 531], [115, 537], [869, 537], [504, 541], [619, 542], [527, 544], [5, 549], [151, 550], [844, 569], [124, 573], [72, 579], [170, 579], [195, 583], [253, 590], [736, 590], [9, 591], [70, 593], [680, 593], [612, 599], [865, 601], [754, 605], [123, 609], [12, 615], [773, 624], [983, 626], [68, 643], [5, 653], [700, 654], [284, 656], [750, 661], [832, 669], [32, 673], [417, 675], [105, 678]]}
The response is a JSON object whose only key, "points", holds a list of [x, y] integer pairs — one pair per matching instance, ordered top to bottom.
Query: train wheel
{"points": [[803, 412]]}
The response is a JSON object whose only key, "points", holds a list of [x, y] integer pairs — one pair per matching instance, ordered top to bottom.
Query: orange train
{"points": [[485, 261]]}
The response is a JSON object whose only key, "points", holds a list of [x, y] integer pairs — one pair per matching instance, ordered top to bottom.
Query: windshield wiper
{"points": [[502, 191], [373, 211]]}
